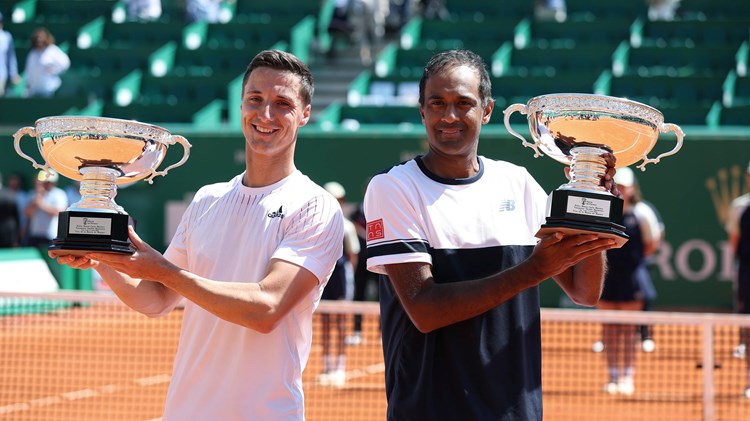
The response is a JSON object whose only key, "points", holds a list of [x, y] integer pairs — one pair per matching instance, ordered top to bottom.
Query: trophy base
{"points": [[580, 212], [603, 230], [80, 233]]}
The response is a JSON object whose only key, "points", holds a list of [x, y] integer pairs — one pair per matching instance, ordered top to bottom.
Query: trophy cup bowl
{"points": [[576, 130], [101, 153]]}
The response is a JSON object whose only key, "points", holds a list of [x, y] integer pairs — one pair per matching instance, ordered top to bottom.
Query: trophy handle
{"points": [[521, 108], [665, 128], [31, 131], [186, 148]]}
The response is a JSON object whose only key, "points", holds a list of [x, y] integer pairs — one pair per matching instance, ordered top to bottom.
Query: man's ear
{"points": [[488, 111]]}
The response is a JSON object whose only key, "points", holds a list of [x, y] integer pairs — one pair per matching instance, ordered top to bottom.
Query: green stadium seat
{"points": [[477, 8], [713, 9], [172, 10], [252, 10], [592, 10], [70, 12], [608, 31], [63, 32], [470, 32], [725, 32], [140, 34], [241, 35], [681, 60], [101, 61], [207, 61], [538, 61], [410, 63], [88, 86], [173, 90], [390, 90], [507, 90], [663, 91], [741, 92], [25, 111], [182, 112], [687, 114], [381, 115], [735, 116], [352, 118]]}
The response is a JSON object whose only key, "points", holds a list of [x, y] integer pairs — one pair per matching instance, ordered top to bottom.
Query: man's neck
{"points": [[453, 167], [258, 175]]}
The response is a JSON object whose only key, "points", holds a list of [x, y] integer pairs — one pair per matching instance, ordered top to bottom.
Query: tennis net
{"points": [[85, 356]]}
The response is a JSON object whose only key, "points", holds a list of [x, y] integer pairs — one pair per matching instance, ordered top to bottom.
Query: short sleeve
{"points": [[395, 232], [313, 236]]}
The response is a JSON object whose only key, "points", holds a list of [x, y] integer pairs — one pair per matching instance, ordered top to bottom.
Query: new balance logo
{"points": [[507, 205], [278, 214]]}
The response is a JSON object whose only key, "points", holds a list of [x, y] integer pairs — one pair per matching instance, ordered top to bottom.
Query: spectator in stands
{"points": [[434, 9], [662, 9], [143, 10], [203, 10], [555, 10], [399, 12], [368, 20], [360, 22], [339, 28], [8, 62], [44, 64], [17, 185], [43, 209], [738, 231], [453, 233], [10, 234], [249, 261], [340, 287], [623, 288]]}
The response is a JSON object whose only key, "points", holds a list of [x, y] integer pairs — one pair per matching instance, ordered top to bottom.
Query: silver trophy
{"points": [[577, 129], [101, 153]]}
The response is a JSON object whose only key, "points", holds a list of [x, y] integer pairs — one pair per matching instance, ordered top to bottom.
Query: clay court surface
{"points": [[102, 361]]}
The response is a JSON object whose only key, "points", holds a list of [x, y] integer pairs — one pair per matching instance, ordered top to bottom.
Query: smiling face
{"points": [[273, 110], [452, 111]]}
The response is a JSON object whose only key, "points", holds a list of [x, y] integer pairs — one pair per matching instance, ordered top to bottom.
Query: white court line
{"points": [[150, 381], [81, 394], [49, 400], [14, 407]]}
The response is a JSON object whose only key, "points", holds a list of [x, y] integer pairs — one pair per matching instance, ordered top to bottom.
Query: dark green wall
{"points": [[691, 189]]}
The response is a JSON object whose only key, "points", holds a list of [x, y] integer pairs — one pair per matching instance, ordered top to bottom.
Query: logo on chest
{"points": [[507, 205], [277, 214]]}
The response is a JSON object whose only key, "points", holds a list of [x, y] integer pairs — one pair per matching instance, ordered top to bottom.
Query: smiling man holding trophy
{"points": [[247, 264]]}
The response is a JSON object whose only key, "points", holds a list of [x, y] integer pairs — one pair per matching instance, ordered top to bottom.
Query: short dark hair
{"points": [[453, 58], [281, 60]]}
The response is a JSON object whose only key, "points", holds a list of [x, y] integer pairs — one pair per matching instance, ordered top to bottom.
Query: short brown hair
{"points": [[281, 60]]}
